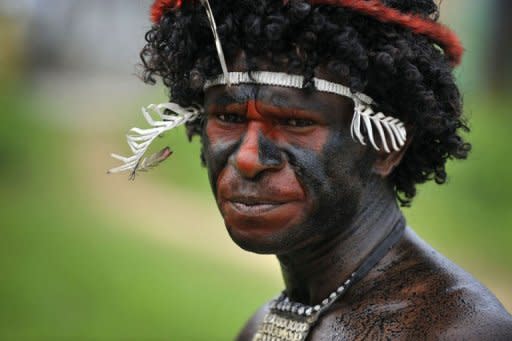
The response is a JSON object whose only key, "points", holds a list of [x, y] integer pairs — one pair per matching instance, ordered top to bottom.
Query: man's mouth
{"points": [[254, 207], [251, 212]]}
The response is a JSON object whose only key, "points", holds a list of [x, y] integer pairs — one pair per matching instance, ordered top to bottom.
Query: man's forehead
{"points": [[281, 97]]}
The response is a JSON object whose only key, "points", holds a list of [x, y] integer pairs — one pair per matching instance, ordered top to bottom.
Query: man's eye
{"points": [[231, 118], [298, 122]]}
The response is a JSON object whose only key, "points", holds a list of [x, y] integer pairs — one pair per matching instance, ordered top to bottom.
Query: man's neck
{"points": [[312, 272]]}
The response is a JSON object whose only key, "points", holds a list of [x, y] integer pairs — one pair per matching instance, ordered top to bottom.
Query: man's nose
{"points": [[256, 153]]}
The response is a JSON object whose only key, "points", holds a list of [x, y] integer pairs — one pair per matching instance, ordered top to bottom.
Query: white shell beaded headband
{"points": [[172, 115]]}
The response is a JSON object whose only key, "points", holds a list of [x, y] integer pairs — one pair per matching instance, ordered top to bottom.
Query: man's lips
{"points": [[251, 200], [254, 206], [252, 212], [260, 216]]}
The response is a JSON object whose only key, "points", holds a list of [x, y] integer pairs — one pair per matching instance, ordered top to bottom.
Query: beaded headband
{"points": [[387, 127]]}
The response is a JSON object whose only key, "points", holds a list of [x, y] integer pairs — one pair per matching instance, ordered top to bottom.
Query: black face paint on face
{"points": [[268, 153], [310, 182], [334, 182]]}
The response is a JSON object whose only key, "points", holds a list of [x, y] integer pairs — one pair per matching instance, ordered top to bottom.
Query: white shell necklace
{"points": [[292, 321]]}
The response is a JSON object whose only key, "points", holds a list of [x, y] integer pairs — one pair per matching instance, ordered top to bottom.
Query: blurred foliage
{"points": [[11, 51], [470, 215]]}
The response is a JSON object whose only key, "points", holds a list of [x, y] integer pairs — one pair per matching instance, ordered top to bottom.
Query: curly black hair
{"points": [[407, 74]]}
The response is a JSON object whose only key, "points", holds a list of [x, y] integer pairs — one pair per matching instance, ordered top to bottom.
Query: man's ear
{"points": [[386, 162]]}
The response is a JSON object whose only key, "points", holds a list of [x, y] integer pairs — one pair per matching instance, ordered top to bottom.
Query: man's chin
{"points": [[257, 242]]}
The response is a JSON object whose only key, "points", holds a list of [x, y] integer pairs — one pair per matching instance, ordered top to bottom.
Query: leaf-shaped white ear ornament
{"points": [[170, 116], [389, 129]]}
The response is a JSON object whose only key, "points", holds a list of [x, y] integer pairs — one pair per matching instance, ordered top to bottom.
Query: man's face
{"points": [[283, 167]]}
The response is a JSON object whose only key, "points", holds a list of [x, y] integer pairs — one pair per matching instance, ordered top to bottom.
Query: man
{"points": [[316, 119]]}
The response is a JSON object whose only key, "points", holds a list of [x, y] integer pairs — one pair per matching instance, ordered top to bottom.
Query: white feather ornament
{"points": [[218, 45], [141, 139]]}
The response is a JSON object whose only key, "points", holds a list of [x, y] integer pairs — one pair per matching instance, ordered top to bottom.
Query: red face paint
{"points": [[247, 159]]}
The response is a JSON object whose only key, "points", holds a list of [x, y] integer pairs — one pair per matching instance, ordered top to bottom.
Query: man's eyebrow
{"points": [[243, 94], [233, 96], [231, 99], [281, 101], [299, 104]]}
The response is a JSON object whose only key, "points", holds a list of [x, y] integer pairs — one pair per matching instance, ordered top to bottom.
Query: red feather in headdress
{"points": [[160, 6]]}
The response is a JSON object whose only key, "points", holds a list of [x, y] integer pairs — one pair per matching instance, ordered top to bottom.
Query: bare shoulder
{"points": [[415, 293], [252, 324], [497, 328]]}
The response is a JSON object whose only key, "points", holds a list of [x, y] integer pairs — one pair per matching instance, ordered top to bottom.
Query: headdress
{"points": [[440, 34], [388, 128]]}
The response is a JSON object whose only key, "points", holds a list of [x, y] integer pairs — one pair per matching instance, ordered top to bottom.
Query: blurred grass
{"points": [[68, 273]]}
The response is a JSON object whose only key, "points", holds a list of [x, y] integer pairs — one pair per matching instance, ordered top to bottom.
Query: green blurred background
{"points": [[86, 256]]}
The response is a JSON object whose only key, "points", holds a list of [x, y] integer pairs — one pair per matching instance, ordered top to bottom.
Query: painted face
{"points": [[282, 164]]}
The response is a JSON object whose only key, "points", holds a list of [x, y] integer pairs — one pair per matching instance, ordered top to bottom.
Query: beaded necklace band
{"points": [[288, 320]]}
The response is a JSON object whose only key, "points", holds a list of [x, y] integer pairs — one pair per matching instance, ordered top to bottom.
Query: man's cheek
{"points": [[217, 150], [309, 162], [309, 169], [325, 171], [346, 175]]}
